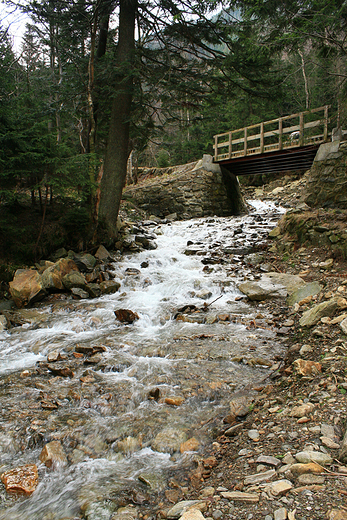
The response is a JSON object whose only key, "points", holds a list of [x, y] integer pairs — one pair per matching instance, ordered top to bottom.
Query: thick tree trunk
{"points": [[115, 165]]}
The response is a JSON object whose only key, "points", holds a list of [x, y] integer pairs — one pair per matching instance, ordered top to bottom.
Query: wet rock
{"points": [[102, 253], [87, 262], [131, 271], [52, 277], [74, 279], [27, 287], [109, 287], [307, 290], [79, 294], [204, 295], [126, 316], [313, 316], [3, 323], [55, 356], [93, 360], [306, 368], [59, 369], [154, 394], [174, 401], [48, 404], [168, 440], [191, 444], [129, 445], [53, 455], [313, 456], [21, 480], [153, 481], [240, 496], [98, 511], [125, 513]]}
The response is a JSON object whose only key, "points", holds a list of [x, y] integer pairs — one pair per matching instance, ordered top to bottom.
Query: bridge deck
{"points": [[283, 143], [277, 161]]}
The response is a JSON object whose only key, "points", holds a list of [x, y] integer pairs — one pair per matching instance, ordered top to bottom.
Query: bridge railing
{"points": [[301, 129]]}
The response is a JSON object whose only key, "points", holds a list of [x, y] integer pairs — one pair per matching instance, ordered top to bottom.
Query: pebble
{"points": [[302, 410], [253, 435], [329, 443], [313, 456], [270, 461], [301, 469], [259, 477], [308, 479], [280, 487], [240, 496], [181, 507], [192, 514], [280, 514]]}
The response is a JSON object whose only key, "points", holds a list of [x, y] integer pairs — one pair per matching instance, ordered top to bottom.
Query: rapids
{"points": [[121, 438]]}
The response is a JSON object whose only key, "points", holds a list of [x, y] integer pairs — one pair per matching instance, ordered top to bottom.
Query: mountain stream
{"points": [[124, 412]]}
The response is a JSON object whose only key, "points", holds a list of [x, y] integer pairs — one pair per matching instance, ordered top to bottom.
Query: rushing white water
{"points": [[108, 430]]}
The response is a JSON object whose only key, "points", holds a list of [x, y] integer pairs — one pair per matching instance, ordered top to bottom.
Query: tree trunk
{"points": [[116, 157]]}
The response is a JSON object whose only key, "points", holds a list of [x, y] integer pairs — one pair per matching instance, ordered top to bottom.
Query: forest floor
{"points": [[248, 471]]}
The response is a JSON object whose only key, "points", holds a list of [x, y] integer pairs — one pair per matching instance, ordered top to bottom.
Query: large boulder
{"points": [[52, 277], [27, 287], [263, 289], [322, 310]]}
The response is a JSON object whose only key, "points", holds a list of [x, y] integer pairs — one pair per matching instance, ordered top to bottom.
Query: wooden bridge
{"points": [[284, 144]]}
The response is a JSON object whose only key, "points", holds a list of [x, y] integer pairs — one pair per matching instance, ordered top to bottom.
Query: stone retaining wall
{"points": [[327, 182], [195, 190]]}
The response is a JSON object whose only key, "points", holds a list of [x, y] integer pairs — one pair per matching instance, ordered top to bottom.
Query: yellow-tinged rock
{"points": [[306, 367], [174, 401], [190, 445], [53, 455], [21, 480], [192, 514], [337, 514]]}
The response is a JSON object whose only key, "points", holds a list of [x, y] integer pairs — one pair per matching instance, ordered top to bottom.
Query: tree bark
{"points": [[115, 165]]}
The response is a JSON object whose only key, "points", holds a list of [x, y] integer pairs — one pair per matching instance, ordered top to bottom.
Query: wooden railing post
{"points": [[326, 109], [301, 130], [280, 134], [261, 137], [245, 143], [230, 144], [215, 147]]}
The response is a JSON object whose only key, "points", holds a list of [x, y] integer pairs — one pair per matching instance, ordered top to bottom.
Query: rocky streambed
{"points": [[188, 410]]}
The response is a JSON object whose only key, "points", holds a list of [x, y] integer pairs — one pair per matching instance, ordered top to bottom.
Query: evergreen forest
{"points": [[98, 81]]}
